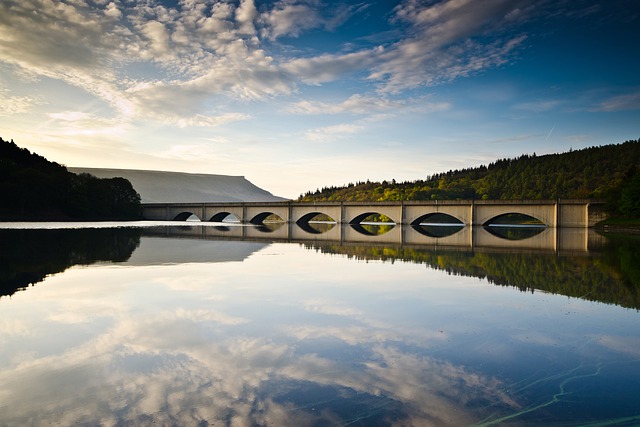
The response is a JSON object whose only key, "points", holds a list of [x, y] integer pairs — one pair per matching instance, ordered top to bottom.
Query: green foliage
{"points": [[596, 172], [34, 188], [630, 197]]}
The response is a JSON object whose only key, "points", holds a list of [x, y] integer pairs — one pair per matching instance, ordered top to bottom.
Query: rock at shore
{"points": [[177, 187]]}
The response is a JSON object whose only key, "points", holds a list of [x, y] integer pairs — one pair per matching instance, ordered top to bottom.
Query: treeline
{"points": [[610, 172], [31, 187]]}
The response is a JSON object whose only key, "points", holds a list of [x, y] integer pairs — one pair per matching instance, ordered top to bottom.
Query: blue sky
{"points": [[297, 95]]}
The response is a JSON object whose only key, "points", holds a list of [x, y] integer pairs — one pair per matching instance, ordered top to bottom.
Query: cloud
{"points": [[292, 18], [289, 20], [196, 53], [329, 67], [625, 102], [355, 104], [10, 105], [368, 105], [539, 106], [212, 121], [78, 123], [332, 133]]}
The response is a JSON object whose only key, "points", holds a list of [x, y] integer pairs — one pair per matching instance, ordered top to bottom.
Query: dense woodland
{"points": [[610, 172], [34, 188]]}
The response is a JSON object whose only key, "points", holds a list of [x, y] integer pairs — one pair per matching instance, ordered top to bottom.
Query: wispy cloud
{"points": [[202, 50], [625, 102], [10, 105], [368, 105], [538, 106], [334, 132]]}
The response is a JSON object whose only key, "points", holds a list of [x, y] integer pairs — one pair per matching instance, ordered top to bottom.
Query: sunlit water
{"points": [[145, 327]]}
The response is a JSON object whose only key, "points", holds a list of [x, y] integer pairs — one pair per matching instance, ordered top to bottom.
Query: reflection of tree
{"points": [[28, 256], [611, 277]]}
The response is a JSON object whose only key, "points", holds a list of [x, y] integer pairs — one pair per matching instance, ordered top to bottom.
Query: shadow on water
{"points": [[27, 256]]}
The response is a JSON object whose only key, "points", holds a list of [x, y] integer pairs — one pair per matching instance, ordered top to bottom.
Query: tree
{"points": [[630, 197]]}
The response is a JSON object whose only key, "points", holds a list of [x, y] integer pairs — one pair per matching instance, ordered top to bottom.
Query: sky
{"points": [[297, 95]]}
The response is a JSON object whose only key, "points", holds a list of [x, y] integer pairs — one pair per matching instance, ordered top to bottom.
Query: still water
{"points": [[184, 326]]}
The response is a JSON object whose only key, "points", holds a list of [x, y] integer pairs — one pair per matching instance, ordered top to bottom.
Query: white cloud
{"points": [[245, 16], [294, 17], [289, 20]]}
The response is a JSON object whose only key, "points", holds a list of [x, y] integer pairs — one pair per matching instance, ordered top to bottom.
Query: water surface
{"points": [[180, 326]]}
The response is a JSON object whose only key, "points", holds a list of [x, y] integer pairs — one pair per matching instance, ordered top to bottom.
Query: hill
{"points": [[608, 172], [177, 187], [33, 188]]}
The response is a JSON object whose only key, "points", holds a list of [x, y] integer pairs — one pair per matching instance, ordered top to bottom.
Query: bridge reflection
{"points": [[460, 238]]}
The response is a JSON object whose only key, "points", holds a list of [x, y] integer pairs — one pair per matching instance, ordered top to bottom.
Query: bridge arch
{"points": [[544, 211], [185, 215], [224, 215], [261, 217], [361, 217], [440, 217], [522, 218], [304, 219]]}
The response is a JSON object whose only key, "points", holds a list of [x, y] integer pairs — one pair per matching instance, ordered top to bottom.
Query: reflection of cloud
{"points": [[330, 307], [627, 345], [185, 366], [167, 373]]}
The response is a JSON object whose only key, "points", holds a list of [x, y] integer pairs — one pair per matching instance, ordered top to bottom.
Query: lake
{"points": [[105, 324]]}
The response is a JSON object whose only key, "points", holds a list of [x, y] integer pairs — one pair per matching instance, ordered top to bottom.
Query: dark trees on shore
{"points": [[31, 187]]}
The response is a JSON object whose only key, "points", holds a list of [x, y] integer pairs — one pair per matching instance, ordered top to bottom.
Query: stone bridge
{"points": [[553, 213]]}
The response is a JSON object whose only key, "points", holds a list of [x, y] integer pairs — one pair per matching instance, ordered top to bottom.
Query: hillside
{"points": [[605, 172], [176, 187], [33, 188]]}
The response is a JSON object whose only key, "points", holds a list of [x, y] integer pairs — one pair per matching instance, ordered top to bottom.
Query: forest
{"points": [[610, 173], [34, 188]]}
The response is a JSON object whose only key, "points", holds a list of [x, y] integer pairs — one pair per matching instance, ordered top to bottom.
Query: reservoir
{"points": [[224, 324]]}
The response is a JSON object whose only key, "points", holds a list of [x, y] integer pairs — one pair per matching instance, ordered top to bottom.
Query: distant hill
{"points": [[610, 172], [177, 187]]}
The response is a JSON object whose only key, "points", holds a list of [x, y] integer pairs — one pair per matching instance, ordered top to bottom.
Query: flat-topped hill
{"points": [[178, 187]]}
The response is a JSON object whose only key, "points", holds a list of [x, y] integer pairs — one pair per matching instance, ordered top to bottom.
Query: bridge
{"points": [[552, 213]]}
